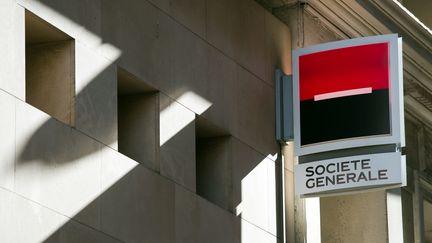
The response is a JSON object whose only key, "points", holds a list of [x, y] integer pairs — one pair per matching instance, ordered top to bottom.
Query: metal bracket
{"points": [[284, 107]]}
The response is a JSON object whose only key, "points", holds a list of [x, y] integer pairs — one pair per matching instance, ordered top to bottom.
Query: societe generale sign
{"points": [[348, 94]]}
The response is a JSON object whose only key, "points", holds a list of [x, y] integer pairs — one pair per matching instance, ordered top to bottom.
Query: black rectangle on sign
{"points": [[345, 117]]}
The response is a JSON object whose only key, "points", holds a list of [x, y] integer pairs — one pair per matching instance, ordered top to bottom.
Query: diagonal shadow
{"points": [[50, 142], [135, 203]]}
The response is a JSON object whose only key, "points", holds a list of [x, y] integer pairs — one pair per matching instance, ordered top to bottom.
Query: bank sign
{"points": [[348, 94]]}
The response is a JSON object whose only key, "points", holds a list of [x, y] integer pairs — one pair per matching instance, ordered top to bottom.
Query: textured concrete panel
{"points": [[164, 5], [83, 12], [190, 13], [79, 19], [223, 25], [39, 31], [145, 36], [278, 47], [250, 48], [12, 63], [190, 66], [50, 78], [129, 84], [205, 86], [220, 89], [96, 96], [255, 113], [139, 128], [177, 139], [7, 141], [57, 166], [115, 166], [253, 178], [272, 197], [254, 201], [139, 207], [186, 215], [348, 218], [198, 220], [25, 221], [216, 225], [73, 232], [253, 234]]}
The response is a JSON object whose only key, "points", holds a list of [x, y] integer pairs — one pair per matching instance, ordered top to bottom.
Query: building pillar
{"points": [[295, 207], [355, 218]]}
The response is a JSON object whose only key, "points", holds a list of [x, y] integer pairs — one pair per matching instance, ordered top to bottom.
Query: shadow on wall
{"points": [[56, 141], [132, 203], [138, 205]]}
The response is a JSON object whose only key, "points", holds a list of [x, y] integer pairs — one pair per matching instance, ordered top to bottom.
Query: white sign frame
{"points": [[396, 97]]}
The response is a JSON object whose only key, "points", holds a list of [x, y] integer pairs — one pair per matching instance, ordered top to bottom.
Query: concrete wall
{"points": [[209, 59], [12, 63], [96, 95], [67, 187]]}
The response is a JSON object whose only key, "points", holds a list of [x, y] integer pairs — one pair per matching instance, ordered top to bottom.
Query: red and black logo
{"points": [[344, 93]]}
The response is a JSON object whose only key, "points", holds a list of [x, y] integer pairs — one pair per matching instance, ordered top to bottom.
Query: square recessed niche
{"points": [[50, 69]]}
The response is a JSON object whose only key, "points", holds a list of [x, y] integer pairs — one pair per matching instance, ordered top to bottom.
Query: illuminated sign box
{"points": [[348, 94]]}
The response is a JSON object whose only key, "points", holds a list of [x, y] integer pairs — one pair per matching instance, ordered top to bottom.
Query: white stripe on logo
{"points": [[343, 93]]}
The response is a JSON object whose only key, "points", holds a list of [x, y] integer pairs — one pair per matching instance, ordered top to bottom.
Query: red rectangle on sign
{"points": [[343, 69], [344, 93]]}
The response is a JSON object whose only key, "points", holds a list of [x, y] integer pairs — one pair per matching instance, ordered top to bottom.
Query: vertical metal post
{"points": [[284, 132]]}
